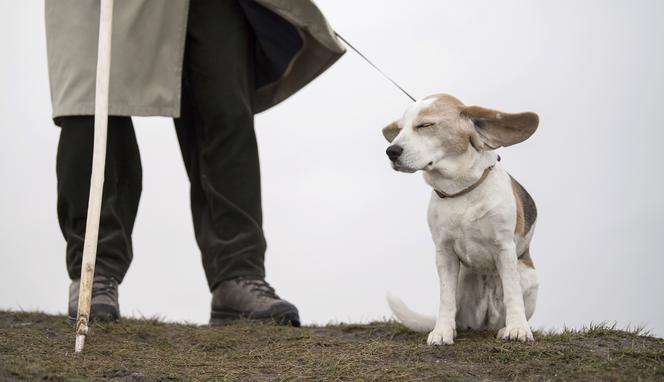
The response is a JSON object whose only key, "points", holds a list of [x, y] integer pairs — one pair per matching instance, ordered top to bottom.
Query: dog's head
{"points": [[440, 126]]}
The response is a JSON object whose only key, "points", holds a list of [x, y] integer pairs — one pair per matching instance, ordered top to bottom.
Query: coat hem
{"points": [[88, 108]]}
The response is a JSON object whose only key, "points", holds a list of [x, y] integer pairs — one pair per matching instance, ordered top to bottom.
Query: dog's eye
{"points": [[423, 125]]}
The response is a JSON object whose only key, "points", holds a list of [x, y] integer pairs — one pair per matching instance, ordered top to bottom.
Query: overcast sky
{"points": [[342, 227]]}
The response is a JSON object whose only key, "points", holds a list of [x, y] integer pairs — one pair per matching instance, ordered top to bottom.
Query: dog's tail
{"points": [[411, 320]]}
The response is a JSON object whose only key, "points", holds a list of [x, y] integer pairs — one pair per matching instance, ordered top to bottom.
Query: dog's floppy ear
{"points": [[495, 129], [391, 131]]}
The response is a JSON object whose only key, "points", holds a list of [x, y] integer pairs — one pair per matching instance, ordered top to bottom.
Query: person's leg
{"points": [[216, 135], [218, 142], [121, 194]]}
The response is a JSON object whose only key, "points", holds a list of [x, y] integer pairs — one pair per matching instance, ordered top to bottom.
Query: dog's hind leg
{"points": [[479, 301]]}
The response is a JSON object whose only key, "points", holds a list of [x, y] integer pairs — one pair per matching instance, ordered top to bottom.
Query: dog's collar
{"points": [[444, 195]]}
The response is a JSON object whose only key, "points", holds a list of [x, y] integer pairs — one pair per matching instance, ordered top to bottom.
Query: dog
{"points": [[481, 219]]}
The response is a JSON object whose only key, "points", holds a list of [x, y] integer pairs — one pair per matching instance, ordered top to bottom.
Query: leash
{"points": [[374, 66]]}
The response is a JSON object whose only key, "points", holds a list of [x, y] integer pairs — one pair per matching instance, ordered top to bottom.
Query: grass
{"points": [[35, 346]]}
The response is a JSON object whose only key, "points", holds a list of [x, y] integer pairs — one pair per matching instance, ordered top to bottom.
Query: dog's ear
{"points": [[495, 129], [391, 131]]}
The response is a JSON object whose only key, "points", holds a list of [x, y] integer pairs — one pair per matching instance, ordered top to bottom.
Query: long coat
{"points": [[293, 45]]}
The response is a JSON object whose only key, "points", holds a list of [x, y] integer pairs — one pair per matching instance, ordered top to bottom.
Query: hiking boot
{"points": [[250, 298], [104, 306]]}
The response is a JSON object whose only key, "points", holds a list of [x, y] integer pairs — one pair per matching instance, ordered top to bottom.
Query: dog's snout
{"points": [[393, 152]]}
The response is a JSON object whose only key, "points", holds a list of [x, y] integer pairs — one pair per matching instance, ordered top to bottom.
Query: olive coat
{"points": [[293, 44]]}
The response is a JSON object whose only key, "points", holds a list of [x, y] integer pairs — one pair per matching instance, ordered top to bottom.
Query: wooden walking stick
{"points": [[97, 178]]}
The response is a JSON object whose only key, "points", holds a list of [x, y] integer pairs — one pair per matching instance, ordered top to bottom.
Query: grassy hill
{"points": [[35, 346]]}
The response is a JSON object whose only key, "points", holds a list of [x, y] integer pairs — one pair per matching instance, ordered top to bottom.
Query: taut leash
{"points": [[374, 66]]}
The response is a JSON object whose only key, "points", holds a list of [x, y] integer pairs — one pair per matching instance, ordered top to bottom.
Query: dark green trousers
{"points": [[218, 145]]}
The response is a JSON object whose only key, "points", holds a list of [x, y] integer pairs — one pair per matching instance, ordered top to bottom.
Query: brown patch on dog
{"points": [[447, 99], [391, 131], [451, 132], [454, 142], [526, 211], [520, 228], [527, 260]]}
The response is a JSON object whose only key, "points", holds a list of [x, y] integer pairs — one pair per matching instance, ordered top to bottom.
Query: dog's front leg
{"points": [[448, 272], [516, 324]]}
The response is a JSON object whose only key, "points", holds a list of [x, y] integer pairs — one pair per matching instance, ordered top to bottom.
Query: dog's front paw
{"points": [[519, 333], [444, 336]]}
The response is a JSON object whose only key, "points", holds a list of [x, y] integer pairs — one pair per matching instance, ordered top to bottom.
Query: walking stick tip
{"points": [[80, 342]]}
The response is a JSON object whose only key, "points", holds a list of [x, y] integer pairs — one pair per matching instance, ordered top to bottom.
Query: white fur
{"points": [[413, 145], [482, 283], [412, 320]]}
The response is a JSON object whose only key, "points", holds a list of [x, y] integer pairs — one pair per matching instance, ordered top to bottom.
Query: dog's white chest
{"points": [[466, 229]]}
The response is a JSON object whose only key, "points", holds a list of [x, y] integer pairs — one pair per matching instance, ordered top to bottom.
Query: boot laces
{"points": [[259, 286], [104, 287]]}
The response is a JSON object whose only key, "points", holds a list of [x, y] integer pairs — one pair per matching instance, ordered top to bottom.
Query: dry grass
{"points": [[36, 346]]}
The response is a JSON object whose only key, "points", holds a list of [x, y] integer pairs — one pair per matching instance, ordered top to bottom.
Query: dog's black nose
{"points": [[393, 152]]}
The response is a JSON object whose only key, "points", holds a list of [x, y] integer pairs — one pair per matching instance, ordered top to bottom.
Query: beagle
{"points": [[481, 219]]}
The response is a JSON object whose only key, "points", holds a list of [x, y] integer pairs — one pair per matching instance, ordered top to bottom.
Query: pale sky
{"points": [[342, 227]]}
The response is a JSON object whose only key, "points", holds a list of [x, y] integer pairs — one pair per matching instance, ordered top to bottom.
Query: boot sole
{"points": [[101, 313], [286, 316]]}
